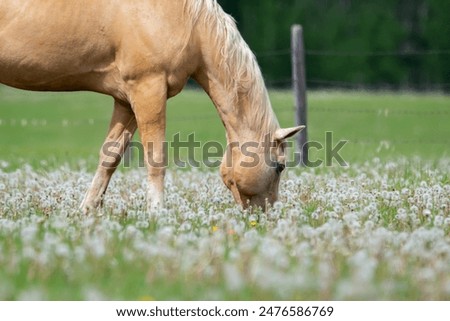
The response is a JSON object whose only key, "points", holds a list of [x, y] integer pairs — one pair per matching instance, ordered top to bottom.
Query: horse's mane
{"points": [[243, 74]]}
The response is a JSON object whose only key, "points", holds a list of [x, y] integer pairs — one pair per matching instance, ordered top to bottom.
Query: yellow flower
{"points": [[253, 223], [215, 228]]}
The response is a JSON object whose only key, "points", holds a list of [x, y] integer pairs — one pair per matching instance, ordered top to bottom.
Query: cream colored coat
{"points": [[142, 52]]}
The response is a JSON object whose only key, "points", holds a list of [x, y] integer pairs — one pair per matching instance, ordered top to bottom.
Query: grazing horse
{"points": [[142, 52]]}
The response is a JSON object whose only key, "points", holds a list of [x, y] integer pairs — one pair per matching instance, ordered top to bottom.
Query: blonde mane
{"points": [[242, 72]]}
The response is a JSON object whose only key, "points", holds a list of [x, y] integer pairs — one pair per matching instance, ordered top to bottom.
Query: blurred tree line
{"points": [[373, 43]]}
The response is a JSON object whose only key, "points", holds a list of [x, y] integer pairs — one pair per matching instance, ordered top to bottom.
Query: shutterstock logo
{"points": [[190, 152]]}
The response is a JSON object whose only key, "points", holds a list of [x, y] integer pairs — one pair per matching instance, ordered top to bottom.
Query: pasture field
{"points": [[62, 128], [377, 229]]}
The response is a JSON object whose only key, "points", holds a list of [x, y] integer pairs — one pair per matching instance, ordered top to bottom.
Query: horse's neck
{"points": [[232, 78], [243, 103], [232, 108]]}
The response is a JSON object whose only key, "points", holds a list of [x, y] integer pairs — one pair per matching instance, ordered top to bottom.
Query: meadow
{"points": [[376, 229]]}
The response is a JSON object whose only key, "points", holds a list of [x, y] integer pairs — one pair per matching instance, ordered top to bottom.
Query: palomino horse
{"points": [[141, 53]]}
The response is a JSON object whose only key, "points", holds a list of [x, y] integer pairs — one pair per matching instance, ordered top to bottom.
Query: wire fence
{"points": [[287, 51], [377, 53], [327, 83]]}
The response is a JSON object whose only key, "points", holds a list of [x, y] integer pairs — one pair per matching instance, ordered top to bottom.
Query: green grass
{"points": [[68, 127], [374, 230]]}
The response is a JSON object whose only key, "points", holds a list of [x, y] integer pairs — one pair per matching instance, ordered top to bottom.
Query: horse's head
{"points": [[252, 171]]}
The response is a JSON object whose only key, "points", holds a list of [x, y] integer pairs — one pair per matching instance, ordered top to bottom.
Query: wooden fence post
{"points": [[299, 86]]}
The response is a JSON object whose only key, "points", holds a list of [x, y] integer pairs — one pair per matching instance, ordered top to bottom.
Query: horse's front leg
{"points": [[149, 100], [121, 130]]}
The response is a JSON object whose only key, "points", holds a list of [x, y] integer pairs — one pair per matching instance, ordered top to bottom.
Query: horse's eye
{"points": [[280, 167]]}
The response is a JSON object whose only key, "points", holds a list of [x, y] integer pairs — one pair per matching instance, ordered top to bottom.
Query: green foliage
{"points": [[356, 27]]}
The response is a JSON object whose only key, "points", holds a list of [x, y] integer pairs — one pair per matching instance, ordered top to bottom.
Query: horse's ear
{"points": [[284, 133]]}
